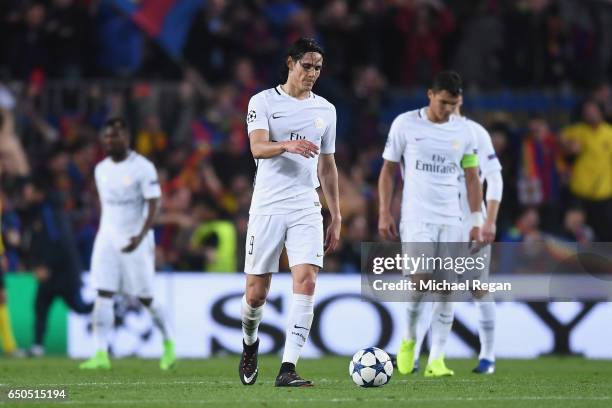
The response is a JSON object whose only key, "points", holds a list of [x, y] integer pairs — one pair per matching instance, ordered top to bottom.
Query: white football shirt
{"points": [[431, 155], [487, 161], [288, 182], [123, 189]]}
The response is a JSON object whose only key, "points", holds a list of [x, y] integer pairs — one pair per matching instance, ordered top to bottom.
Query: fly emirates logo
{"points": [[438, 164]]}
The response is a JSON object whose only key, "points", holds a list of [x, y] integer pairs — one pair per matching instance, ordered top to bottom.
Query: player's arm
{"points": [[263, 148], [328, 175], [495, 187], [474, 193], [153, 204], [386, 223]]}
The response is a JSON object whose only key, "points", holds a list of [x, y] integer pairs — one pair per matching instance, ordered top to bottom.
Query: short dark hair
{"points": [[297, 51], [449, 81], [116, 122]]}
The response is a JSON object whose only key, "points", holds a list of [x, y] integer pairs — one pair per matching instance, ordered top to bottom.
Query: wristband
{"points": [[476, 219]]}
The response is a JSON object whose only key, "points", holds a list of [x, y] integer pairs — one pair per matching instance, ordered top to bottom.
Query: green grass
{"points": [[546, 382]]}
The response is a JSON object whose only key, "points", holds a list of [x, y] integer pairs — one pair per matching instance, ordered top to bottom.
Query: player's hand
{"points": [[302, 147], [387, 228], [488, 232], [332, 236], [134, 242], [476, 242]]}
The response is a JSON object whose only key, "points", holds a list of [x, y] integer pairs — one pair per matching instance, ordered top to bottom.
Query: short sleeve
{"points": [[257, 113], [328, 142], [396, 142], [470, 154], [487, 158], [149, 183]]}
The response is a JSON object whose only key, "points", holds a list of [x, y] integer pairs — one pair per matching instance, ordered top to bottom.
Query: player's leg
{"points": [[417, 239], [264, 243], [305, 252], [105, 273], [138, 277], [42, 304], [485, 304], [251, 313], [443, 314], [103, 319], [441, 324], [423, 325], [298, 326], [486, 332], [168, 359]]}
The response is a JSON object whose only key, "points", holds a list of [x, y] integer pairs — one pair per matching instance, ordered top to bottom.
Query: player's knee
{"points": [[305, 284], [256, 295], [256, 300]]}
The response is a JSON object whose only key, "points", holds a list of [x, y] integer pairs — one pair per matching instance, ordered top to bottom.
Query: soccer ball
{"points": [[371, 367]]}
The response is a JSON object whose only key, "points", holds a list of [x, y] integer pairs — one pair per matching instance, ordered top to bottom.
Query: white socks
{"points": [[414, 309], [157, 314], [251, 317], [103, 319], [441, 324], [423, 325], [298, 327], [486, 327]]}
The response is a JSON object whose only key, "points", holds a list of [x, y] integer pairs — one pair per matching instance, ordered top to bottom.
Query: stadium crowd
{"points": [[63, 72]]}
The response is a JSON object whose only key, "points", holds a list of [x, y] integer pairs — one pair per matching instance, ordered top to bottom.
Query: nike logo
{"points": [[276, 116], [418, 139], [319, 255], [295, 326], [249, 379]]}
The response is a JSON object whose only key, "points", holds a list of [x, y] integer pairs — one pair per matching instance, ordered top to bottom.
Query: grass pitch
{"points": [[546, 382]]}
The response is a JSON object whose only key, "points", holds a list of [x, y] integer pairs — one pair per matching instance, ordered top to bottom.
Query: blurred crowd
{"points": [[63, 72]]}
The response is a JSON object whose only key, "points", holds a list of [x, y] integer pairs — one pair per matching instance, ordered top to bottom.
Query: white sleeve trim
{"points": [[495, 186]]}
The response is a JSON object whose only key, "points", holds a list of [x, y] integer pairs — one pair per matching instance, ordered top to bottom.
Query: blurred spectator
{"points": [[424, 25], [338, 26], [68, 38], [28, 43], [535, 44], [209, 46], [477, 53], [369, 89], [602, 94], [194, 128], [151, 141], [590, 143], [12, 156], [507, 156], [542, 168], [575, 228], [525, 229], [213, 240], [350, 252], [53, 256], [9, 345]]}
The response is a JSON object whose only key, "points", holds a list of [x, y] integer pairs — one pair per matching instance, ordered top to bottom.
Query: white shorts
{"points": [[301, 232], [426, 232], [422, 239], [129, 273]]}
